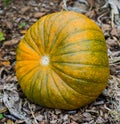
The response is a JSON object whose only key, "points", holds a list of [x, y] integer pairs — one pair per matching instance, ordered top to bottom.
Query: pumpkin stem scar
{"points": [[45, 60]]}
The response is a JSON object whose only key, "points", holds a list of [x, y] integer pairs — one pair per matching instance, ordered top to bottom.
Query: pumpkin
{"points": [[62, 61]]}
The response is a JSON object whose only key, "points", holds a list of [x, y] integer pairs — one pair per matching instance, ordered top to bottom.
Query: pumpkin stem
{"points": [[45, 60]]}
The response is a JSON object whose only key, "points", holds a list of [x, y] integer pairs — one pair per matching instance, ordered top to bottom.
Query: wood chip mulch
{"points": [[15, 19]]}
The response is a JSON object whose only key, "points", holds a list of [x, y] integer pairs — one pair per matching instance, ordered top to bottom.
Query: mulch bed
{"points": [[15, 19]]}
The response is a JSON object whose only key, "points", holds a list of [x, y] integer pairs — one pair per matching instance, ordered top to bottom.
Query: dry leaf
{"points": [[91, 3], [25, 9], [38, 14], [91, 14], [9, 24], [106, 27], [23, 31], [114, 32], [111, 42], [4, 63], [10, 100], [3, 109], [39, 117], [10, 122], [44, 122]]}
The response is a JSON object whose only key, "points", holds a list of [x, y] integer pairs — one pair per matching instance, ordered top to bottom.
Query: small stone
{"points": [[25, 9], [57, 111], [39, 117], [65, 117], [53, 122]]}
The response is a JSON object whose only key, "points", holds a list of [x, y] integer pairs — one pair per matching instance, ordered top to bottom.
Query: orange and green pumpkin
{"points": [[62, 61]]}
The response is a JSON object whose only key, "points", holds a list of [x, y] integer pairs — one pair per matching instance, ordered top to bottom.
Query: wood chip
{"points": [[25, 9], [38, 14], [11, 42]]}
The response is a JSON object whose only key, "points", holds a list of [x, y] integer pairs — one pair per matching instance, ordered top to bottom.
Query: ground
{"points": [[15, 18]]}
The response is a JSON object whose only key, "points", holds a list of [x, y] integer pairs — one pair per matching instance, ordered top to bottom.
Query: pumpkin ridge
{"points": [[51, 17], [56, 17], [61, 29], [40, 32], [45, 33], [30, 34], [71, 34], [39, 36], [32, 39], [30, 42], [72, 44], [30, 46], [18, 49], [75, 52], [26, 53], [78, 63], [22, 67], [54, 67], [27, 72], [41, 84], [81, 84], [25, 85], [33, 85], [45, 86], [40, 87], [72, 88], [53, 91], [60, 91], [49, 93], [56, 93], [37, 99]]}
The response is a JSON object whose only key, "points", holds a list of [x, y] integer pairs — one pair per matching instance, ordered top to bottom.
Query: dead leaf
{"points": [[91, 3], [79, 7], [25, 9], [39, 14], [91, 14], [9, 24], [106, 27], [23, 31], [114, 32], [11, 42], [111, 42], [2, 53], [4, 63], [10, 100], [3, 109], [58, 111], [39, 117], [100, 120], [19, 121], [10, 122], [44, 122], [73, 123]]}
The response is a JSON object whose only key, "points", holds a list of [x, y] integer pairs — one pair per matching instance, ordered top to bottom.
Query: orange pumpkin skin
{"points": [[62, 61]]}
